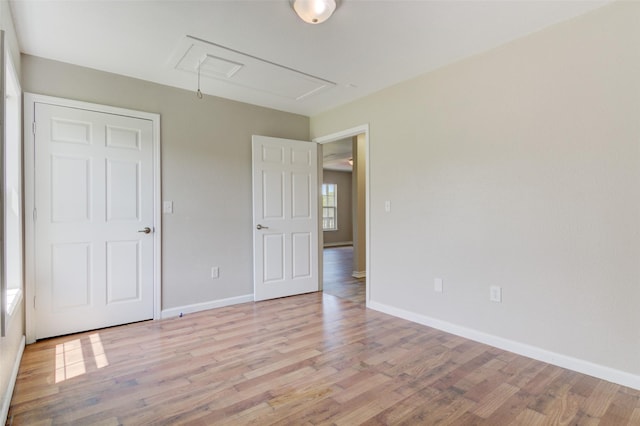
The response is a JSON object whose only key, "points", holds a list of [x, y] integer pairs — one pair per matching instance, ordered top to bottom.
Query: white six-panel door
{"points": [[94, 180], [285, 212]]}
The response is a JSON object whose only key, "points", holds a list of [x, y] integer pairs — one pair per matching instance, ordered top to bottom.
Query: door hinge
{"points": [[33, 127], [35, 215], [34, 302]]}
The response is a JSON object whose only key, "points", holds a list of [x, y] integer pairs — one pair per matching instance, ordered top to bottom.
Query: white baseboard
{"points": [[339, 244], [359, 274], [197, 307], [560, 360], [6, 403]]}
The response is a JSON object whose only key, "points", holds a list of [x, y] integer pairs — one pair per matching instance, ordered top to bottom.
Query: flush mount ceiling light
{"points": [[314, 11]]}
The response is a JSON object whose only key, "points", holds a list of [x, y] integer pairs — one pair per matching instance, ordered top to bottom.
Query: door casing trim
{"points": [[30, 100]]}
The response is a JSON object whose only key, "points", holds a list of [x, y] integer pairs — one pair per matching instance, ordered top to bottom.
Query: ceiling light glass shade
{"points": [[314, 11]]}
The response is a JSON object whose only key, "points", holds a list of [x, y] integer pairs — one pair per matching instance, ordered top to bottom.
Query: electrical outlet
{"points": [[215, 272], [437, 285], [495, 294]]}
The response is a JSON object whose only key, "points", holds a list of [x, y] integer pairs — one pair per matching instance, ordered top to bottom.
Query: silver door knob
{"points": [[261, 227], [146, 230]]}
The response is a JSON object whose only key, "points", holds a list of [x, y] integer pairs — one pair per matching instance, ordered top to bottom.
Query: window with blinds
{"points": [[329, 207]]}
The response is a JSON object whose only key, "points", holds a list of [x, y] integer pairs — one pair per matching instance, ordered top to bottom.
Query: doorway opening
{"points": [[345, 214]]}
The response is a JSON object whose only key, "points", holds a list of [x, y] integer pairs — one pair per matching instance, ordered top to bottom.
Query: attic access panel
{"points": [[234, 67]]}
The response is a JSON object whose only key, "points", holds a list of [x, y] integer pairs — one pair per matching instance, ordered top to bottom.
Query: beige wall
{"points": [[519, 167], [206, 172], [344, 234], [10, 345]]}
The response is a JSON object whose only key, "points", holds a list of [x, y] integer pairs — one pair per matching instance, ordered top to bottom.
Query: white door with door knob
{"points": [[285, 212], [94, 219]]}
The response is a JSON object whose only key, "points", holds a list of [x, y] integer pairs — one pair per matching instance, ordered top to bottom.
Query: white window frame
{"points": [[11, 184], [334, 207], [11, 229]]}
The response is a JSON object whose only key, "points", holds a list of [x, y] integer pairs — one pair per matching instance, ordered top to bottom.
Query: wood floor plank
{"points": [[353, 388], [494, 400], [598, 402], [559, 405], [370, 407], [447, 408], [404, 409], [511, 409], [620, 409], [530, 418], [634, 419]]}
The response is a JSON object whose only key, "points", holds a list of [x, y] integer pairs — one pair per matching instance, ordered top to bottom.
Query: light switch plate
{"points": [[387, 206], [167, 207], [437, 285], [495, 294]]}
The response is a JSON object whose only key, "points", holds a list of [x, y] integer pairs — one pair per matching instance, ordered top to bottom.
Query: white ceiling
{"points": [[367, 44], [336, 155]]}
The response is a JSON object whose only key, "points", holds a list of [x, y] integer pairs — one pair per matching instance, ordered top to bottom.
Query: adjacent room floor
{"points": [[337, 280]]}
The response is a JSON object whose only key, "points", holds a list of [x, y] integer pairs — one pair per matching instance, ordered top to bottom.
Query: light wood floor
{"points": [[337, 280], [304, 360]]}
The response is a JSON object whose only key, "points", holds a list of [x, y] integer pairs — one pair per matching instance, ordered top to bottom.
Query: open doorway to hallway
{"points": [[344, 216]]}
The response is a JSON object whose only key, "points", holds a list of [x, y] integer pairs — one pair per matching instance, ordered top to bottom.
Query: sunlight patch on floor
{"points": [[98, 351], [70, 358]]}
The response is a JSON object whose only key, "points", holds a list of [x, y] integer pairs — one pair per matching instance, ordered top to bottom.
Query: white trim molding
{"points": [[359, 274], [197, 307], [557, 359], [6, 402]]}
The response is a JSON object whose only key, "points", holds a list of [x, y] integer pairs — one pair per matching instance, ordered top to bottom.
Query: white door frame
{"points": [[30, 99], [354, 131]]}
